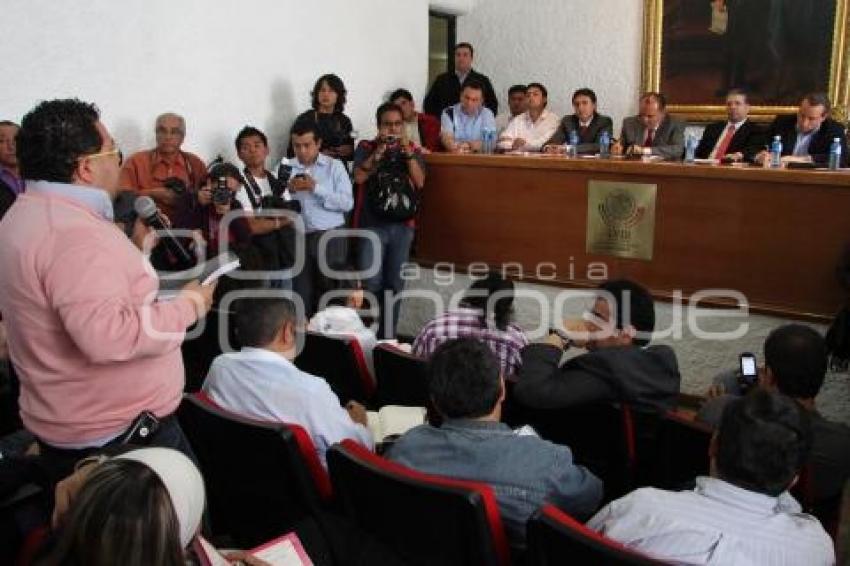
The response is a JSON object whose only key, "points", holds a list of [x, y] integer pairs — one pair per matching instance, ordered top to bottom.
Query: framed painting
{"points": [[776, 50]]}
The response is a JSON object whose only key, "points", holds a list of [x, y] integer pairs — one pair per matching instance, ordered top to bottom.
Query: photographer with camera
{"points": [[389, 172], [165, 173], [261, 191], [216, 198]]}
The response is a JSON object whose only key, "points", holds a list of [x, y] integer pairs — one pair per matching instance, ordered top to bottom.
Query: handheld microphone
{"points": [[149, 213]]}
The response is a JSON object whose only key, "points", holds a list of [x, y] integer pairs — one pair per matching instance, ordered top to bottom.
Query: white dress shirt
{"points": [[535, 134], [263, 385], [717, 523]]}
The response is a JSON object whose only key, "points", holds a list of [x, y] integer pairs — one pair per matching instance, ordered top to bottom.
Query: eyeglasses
{"points": [[161, 131], [113, 151]]}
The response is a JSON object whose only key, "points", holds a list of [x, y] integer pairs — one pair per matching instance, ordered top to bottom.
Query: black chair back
{"points": [[335, 360], [401, 378], [682, 452], [261, 479], [425, 519], [555, 538]]}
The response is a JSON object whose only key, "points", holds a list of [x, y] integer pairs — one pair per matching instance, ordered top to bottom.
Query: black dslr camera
{"points": [[176, 185], [220, 192], [276, 201]]}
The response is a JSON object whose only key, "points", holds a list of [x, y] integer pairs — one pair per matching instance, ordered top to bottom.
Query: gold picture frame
{"points": [[653, 59]]}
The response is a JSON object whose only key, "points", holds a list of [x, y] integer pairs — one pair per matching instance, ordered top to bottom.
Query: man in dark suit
{"points": [[447, 86], [586, 122], [652, 128], [808, 134], [735, 138], [617, 367]]}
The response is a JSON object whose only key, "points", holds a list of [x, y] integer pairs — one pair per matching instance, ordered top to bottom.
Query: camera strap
{"points": [[255, 193]]}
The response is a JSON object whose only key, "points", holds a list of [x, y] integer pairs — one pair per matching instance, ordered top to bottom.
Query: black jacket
{"points": [[446, 91], [786, 127], [749, 139], [589, 140], [648, 377]]}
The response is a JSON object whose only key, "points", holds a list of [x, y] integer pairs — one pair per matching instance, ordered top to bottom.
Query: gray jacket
{"points": [[669, 139], [524, 471]]}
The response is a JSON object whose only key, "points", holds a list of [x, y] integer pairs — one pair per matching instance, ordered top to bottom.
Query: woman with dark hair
{"points": [[328, 104], [485, 313]]}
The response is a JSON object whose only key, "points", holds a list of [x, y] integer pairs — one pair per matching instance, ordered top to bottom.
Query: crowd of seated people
{"points": [[92, 376]]}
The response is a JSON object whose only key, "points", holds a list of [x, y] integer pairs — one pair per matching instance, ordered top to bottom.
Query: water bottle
{"points": [[491, 140], [485, 141], [604, 144], [572, 147], [690, 149], [776, 153], [835, 154]]}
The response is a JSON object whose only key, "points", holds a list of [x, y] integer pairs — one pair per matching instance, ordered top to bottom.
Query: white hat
{"points": [[183, 482]]}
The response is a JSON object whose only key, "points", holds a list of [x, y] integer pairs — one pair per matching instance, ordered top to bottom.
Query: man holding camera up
{"points": [[390, 172], [165, 173], [322, 186], [261, 191]]}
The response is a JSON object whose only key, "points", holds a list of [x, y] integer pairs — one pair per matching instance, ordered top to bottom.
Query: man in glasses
{"points": [[165, 173], [96, 356], [619, 364]]}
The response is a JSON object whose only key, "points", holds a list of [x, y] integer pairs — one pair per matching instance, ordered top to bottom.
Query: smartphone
{"points": [[749, 369]]}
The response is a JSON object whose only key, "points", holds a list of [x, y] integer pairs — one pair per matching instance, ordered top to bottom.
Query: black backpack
{"points": [[390, 194]]}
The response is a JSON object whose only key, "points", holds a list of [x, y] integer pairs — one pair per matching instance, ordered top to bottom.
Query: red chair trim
{"points": [[366, 377], [629, 431], [318, 473], [491, 507], [565, 520]]}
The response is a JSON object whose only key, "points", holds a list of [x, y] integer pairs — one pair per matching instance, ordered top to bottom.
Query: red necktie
{"points": [[648, 141], [724, 143]]}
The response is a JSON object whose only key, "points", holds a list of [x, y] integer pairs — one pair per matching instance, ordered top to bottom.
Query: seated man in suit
{"points": [[586, 122], [653, 128], [809, 134], [735, 138], [795, 362], [617, 367], [260, 381], [524, 470], [742, 513]]}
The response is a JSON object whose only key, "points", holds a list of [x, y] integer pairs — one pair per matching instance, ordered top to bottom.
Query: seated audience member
{"points": [[446, 89], [517, 104], [327, 113], [586, 122], [461, 125], [653, 128], [422, 129], [531, 129], [809, 134], [735, 139], [389, 172], [165, 173], [11, 184], [322, 185], [262, 192], [212, 207], [485, 314], [341, 318], [619, 365], [795, 365], [261, 382], [524, 471], [141, 507], [743, 513]]}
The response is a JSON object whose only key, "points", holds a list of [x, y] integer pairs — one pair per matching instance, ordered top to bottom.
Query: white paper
{"points": [[223, 270]]}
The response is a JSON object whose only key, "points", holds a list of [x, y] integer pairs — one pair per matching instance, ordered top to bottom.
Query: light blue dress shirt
{"points": [[465, 128], [801, 146], [324, 207]]}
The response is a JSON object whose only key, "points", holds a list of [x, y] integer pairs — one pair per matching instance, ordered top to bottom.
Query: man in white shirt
{"points": [[517, 104], [533, 128], [261, 382], [741, 515]]}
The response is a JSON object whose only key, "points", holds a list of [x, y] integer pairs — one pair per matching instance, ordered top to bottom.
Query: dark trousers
{"points": [[311, 283], [58, 463]]}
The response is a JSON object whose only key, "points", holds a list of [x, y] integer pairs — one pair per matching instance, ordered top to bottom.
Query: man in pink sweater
{"points": [[91, 346]]}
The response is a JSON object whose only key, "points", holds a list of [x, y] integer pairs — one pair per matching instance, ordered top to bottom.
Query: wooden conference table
{"points": [[774, 235]]}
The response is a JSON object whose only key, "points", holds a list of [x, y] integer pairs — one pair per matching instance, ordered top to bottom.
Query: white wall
{"points": [[564, 44], [221, 64]]}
